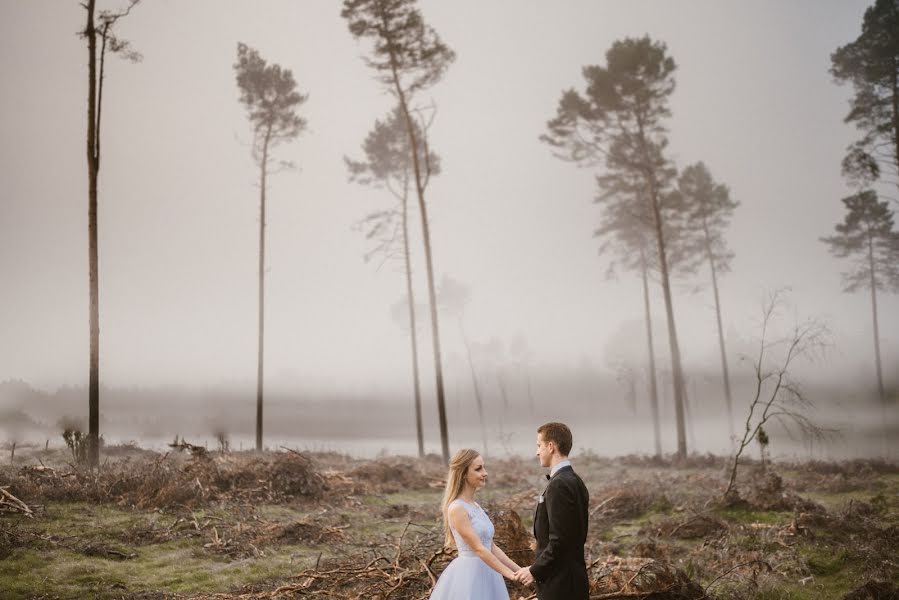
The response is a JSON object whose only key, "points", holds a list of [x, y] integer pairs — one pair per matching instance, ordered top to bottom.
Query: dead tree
{"points": [[269, 93], [778, 394]]}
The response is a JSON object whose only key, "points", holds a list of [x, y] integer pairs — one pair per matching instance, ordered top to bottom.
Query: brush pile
{"points": [[177, 481]]}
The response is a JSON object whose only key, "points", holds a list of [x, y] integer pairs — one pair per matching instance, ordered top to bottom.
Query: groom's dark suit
{"points": [[560, 527]]}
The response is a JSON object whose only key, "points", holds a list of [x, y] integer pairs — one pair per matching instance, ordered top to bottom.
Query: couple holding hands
{"points": [[560, 527]]}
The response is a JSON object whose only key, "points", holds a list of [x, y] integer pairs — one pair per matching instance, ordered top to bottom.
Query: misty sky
{"points": [[178, 203]]}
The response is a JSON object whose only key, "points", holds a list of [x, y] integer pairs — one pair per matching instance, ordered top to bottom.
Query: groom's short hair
{"points": [[557, 433]]}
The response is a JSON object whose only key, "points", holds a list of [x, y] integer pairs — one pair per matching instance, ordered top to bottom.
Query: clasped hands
{"points": [[523, 575]]}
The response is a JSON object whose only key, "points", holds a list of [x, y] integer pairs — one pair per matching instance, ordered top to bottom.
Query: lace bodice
{"points": [[481, 524]]}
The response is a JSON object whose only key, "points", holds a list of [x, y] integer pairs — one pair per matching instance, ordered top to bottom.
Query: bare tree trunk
{"points": [[896, 118], [263, 167], [93, 168], [429, 265], [412, 327], [676, 369], [724, 370], [527, 374], [651, 374], [477, 390], [880, 391], [688, 417]]}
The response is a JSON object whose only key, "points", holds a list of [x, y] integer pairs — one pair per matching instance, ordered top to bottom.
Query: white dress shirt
{"points": [[555, 469]]}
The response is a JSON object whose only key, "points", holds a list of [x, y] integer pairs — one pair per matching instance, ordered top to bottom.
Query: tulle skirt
{"points": [[469, 578]]}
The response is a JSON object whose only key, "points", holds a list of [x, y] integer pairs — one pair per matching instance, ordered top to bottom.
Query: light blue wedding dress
{"points": [[468, 577]]}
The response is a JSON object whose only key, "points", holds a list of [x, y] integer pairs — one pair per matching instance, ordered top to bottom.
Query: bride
{"points": [[475, 573]]}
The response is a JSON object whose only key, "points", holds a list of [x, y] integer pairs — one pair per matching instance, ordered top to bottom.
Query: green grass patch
{"points": [[747, 517], [56, 568]]}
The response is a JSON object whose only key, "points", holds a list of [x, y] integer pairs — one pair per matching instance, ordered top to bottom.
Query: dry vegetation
{"points": [[286, 524]]}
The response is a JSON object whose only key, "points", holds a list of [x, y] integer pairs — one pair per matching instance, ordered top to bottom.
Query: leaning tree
{"points": [[408, 57], [270, 96], [618, 122]]}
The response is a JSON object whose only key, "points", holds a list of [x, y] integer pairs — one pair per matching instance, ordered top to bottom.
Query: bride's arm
{"points": [[458, 518], [498, 553]]}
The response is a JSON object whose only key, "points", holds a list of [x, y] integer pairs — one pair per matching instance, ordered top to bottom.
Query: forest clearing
{"points": [[333, 242], [284, 524]]}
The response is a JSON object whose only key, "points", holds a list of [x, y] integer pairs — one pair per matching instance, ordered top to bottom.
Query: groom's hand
{"points": [[524, 576]]}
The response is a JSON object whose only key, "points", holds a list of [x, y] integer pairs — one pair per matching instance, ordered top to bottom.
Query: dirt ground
{"points": [[286, 524]]}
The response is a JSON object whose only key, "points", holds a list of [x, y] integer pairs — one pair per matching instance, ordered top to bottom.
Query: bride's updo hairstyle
{"points": [[455, 480]]}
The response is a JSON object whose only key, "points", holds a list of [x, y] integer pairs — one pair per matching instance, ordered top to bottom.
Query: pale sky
{"points": [[179, 203]]}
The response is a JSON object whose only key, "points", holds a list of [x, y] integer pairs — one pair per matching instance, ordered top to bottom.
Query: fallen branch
{"points": [[8, 500]]}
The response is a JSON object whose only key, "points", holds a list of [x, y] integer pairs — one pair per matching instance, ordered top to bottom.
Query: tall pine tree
{"points": [[408, 56], [871, 65], [270, 96], [619, 123], [388, 164], [706, 210], [866, 236]]}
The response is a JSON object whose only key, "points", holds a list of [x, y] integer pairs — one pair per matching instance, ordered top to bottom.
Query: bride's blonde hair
{"points": [[455, 481]]}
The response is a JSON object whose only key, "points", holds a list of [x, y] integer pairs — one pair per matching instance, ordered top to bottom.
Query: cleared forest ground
{"points": [[284, 524]]}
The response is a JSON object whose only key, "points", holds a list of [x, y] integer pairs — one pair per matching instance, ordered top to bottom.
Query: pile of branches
{"points": [[390, 475], [843, 476], [167, 481], [627, 501], [693, 527], [245, 540], [402, 569], [406, 570], [641, 578]]}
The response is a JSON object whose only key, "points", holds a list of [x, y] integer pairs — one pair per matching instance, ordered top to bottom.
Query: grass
{"points": [[748, 517], [170, 556], [181, 565]]}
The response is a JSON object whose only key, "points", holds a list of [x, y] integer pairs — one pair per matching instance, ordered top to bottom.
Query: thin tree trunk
{"points": [[896, 117], [93, 167], [263, 167], [429, 265], [412, 327], [676, 368], [724, 370], [527, 374], [651, 374], [477, 389], [502, 389], [880, 391], [688, 417], [502, 418]]}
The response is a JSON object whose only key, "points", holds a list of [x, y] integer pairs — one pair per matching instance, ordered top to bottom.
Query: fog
{"points": [[178, 227]]}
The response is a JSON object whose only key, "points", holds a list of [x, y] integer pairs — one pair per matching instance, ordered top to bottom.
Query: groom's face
{"points": [[544, 451]]}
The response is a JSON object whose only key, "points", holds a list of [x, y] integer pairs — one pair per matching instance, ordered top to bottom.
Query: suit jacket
{"points": [[560, 527]]}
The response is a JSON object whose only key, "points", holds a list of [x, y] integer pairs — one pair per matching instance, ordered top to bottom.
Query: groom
{"points": [[560, 523]]}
